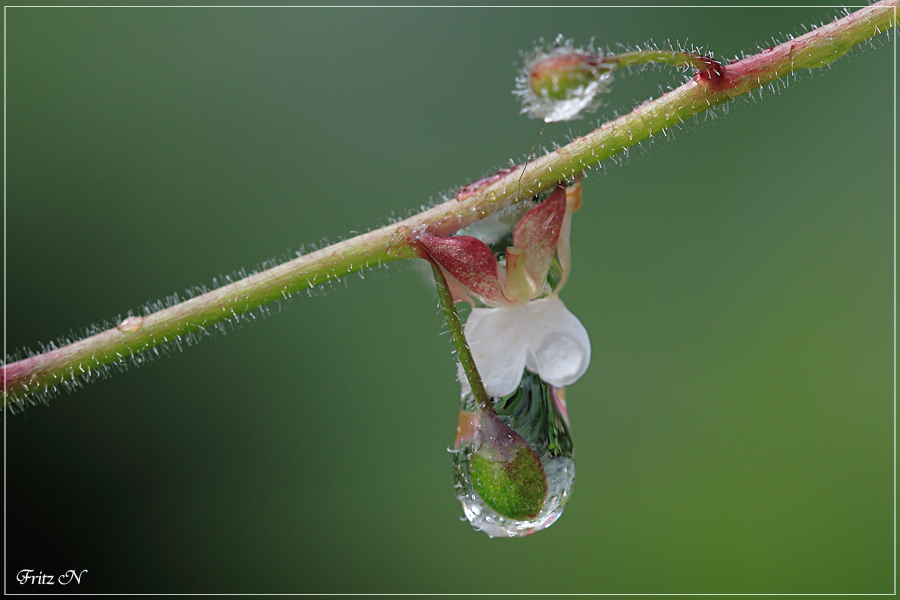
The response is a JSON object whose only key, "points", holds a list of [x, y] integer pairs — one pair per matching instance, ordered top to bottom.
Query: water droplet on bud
{"points": [[561, 83], [514, 470]]}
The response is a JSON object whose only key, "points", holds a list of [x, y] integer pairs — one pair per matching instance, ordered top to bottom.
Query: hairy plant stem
{"points": [[674, 58], [711, 87], [459, 340]]}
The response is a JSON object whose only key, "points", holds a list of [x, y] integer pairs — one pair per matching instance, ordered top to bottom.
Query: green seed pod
{"points": [[514, 469], [506, 473]]}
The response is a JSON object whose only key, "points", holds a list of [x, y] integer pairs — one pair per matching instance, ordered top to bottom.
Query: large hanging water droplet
{"points": [[502, 491]]}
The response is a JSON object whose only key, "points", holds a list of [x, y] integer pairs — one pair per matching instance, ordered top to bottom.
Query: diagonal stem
{"points": [[708, 88]]}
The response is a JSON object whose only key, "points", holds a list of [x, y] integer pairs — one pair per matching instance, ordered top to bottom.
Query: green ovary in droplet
{"points": [[516, 489]]}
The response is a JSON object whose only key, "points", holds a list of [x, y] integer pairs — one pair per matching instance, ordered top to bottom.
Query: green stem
{"points": [[675, 58], [459, 340], [46, 371]]}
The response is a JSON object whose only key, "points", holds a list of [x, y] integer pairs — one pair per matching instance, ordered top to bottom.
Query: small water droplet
{"points": [[131, 324]]}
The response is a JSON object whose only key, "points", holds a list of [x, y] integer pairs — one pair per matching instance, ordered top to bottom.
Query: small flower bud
{"points": [[556, 77], [563, 82]]}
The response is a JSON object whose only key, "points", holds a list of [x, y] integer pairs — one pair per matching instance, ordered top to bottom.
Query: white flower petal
{"points": [[541, 335], [498, 346], [559, 346]]}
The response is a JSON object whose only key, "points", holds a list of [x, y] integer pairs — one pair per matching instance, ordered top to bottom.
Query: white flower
{"points": [[530, 326], [541, 335]]}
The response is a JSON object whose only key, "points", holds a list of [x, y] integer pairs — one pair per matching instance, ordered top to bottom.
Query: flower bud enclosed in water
{"points": [[557, 77], [563, 82], [514, 469]]}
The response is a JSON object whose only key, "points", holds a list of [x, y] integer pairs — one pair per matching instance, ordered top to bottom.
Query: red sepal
{"points": [[537, 233], [470, 261]]}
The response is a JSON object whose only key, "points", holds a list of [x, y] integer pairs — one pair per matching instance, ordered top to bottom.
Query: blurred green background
{"points": [[733, 434]]}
